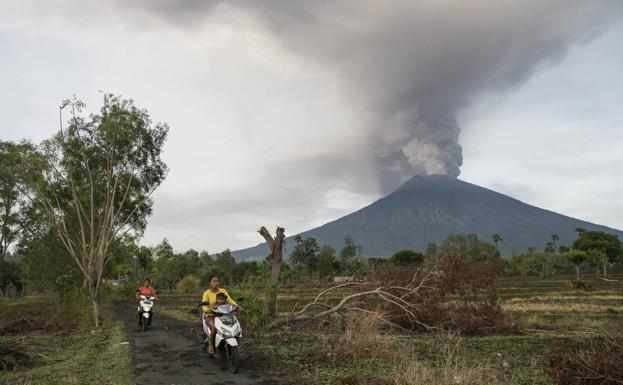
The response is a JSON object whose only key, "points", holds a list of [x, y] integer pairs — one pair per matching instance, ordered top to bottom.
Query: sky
{"points": [[296, 113]]}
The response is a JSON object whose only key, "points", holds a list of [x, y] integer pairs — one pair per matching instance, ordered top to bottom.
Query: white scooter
{"points": [[145, 313], [228, 334]]}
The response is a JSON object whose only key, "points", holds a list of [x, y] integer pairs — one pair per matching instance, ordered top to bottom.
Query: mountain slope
{"points": [[430, 208]]}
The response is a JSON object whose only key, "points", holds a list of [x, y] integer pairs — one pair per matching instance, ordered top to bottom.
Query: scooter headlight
{"points": [[226, 333]]}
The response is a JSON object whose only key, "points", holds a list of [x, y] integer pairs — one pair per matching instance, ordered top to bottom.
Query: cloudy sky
{"points": [[298, 112]]}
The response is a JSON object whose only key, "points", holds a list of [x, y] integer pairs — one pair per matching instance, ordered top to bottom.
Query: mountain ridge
{"points": [[429, 208]]}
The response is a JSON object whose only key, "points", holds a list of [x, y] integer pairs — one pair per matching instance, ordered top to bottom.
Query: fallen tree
{"points": [[457, 296]]}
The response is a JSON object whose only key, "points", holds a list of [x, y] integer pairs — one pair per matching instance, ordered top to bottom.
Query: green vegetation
{"points": [[549, 315], [47, 342], [349, 351]]}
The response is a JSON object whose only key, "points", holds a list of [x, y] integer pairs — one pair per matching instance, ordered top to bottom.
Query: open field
{"points": [[547, 311], [48, 347]]}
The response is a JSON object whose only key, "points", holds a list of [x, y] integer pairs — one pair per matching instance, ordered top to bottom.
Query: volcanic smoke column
{"points": [[414, 65]]}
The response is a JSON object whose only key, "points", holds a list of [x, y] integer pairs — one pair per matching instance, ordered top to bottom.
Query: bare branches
{"points": [[365, 293], [460, 297]]}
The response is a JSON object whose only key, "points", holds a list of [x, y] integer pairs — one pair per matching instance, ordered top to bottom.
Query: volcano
{"points": [[430, 208]]}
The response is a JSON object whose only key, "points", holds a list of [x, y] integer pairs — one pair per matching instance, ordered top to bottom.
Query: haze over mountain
{"points": [[429, 208]]}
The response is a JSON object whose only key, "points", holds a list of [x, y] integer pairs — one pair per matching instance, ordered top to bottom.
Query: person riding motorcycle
{"points": [[146, 290], [208, 301]]}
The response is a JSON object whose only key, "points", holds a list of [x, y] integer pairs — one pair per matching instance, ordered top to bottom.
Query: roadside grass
{"points": [[548, 312], [67, 353]]}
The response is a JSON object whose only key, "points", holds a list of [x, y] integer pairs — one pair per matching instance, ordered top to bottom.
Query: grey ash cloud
{"points": [[411, 65]]}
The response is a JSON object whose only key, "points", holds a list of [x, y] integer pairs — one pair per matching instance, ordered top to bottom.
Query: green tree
{"points": [[96, 182], [13, 201], [496, 239], [555, 239], [598, 240], [468, 247], [550, 247], [350, 249], [305, 252], [577, 257], [407, 258], [46, 262], [327, 264], [224, 265], [163, 270]]}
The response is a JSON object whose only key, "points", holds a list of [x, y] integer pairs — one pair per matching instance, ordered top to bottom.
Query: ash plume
{"points": [[414, 65]]}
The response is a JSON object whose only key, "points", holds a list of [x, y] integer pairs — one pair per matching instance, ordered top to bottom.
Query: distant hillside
{"points": [[430, 208]]}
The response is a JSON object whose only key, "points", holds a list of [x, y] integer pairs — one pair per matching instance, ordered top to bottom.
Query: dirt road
{"points": [[169, 353]]}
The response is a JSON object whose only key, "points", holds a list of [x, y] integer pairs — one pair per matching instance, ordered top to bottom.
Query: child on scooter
{"points": [[221, 299]]}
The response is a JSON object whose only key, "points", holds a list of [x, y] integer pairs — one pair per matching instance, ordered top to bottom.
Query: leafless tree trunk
{"points": [[276, 249]]}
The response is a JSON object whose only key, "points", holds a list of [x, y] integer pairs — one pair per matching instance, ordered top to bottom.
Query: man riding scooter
{"points": [[147, 291]]}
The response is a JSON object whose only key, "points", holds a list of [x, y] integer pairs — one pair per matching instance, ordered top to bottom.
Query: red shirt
{"points": [[147, 291]]}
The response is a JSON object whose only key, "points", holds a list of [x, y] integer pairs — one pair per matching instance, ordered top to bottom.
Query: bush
{"points": [[407, 258], [188, 285], [255, 313], [598, 364]]}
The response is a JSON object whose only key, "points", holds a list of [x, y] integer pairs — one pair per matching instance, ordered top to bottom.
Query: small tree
{"points": [[96, 182], [496, 239], [469, 247], [350, 249], [305, 252], [577, 257], [407, 258], [327, 264]]}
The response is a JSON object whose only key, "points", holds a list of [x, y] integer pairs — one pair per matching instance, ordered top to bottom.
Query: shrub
{"points": [[407, 258], [188, 285], [255, 313], [361, 341], [598, 364]]}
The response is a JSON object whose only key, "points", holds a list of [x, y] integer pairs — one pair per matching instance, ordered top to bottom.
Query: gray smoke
{"points": [[414, 65]]}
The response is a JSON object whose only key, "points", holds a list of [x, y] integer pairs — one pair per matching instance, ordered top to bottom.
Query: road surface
{"points": [[169, 353]]}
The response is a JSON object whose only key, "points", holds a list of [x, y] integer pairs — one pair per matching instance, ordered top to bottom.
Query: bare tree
{"points": [[276, 249]]}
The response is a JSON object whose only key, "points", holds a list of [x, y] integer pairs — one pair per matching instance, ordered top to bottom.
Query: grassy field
{"points": [[548, 313], [42, 343], [50, 345]]}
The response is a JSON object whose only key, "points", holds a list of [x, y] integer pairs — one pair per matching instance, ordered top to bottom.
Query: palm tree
{"points": [[497, 238]]}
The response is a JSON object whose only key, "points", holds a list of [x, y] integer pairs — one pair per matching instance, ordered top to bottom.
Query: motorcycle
{"points": [[145, 313], [228, 334]]}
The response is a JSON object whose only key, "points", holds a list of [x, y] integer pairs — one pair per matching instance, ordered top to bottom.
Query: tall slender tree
{"points": [[96, 182]]}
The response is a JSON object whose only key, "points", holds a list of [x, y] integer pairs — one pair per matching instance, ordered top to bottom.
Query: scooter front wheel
{"points": [[223, 355], [234, 359]]}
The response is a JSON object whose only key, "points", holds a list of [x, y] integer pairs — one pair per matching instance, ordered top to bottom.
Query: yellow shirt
{"points": [[209, 296]]}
